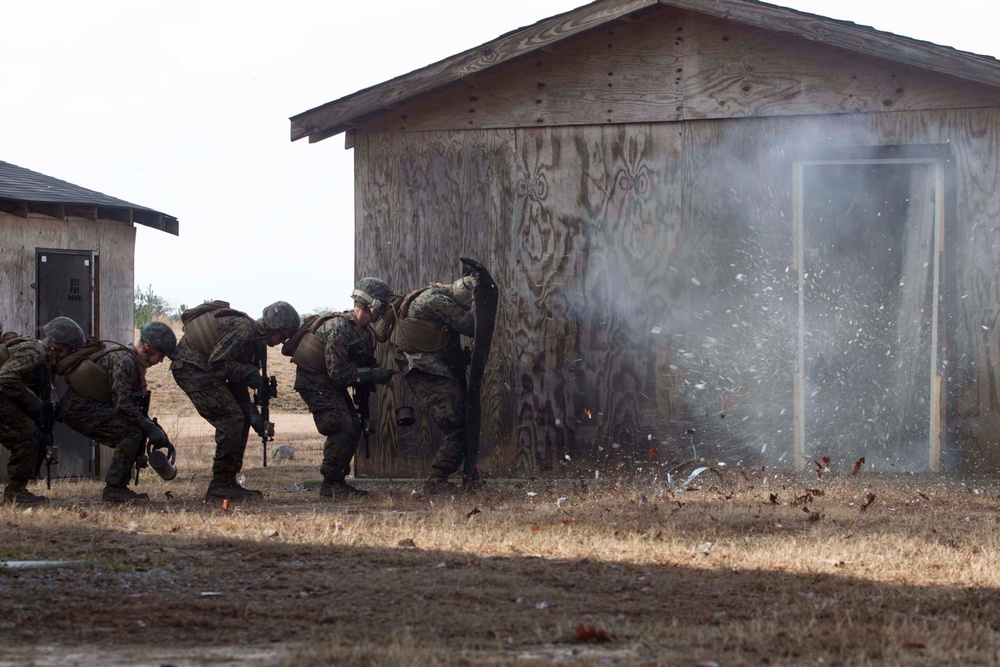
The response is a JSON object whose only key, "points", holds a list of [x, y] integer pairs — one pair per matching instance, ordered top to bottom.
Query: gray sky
{"points": [[183, 107]]}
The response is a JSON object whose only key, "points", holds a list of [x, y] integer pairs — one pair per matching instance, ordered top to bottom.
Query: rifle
{"points": [[357, 354], [262, 397], [47, 450], [162, 464]]}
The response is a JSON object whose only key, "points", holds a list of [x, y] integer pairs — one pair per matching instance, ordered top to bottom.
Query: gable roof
{"points": [[340, 115], [23, 191]]}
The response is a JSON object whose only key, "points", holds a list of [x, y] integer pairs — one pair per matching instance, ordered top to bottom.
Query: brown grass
{"points": [[749, 569]]}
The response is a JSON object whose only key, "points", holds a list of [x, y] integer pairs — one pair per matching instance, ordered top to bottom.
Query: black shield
{"points": [[484, 304]]}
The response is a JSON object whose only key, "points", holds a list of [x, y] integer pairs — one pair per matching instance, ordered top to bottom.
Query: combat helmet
{"points": [[373, 293], [281, 316], [66, 332], [160, 336]]}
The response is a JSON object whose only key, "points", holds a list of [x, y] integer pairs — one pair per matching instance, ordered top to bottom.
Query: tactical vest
{"points": [[201, 325], [416, 336], [7, 341], [306, 348], [83, 374]]}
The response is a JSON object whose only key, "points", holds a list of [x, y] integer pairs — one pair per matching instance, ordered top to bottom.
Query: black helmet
{"points": [[373, 293], [160, 336]]}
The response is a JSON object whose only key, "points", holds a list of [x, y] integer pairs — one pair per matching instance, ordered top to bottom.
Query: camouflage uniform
{"points": [[28, 367], [437, 379], [217, 386], [326, 394], [116, 424]]}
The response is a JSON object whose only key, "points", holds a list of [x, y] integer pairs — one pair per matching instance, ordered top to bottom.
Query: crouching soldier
{"points": [[427, 345], [331, 354], [217, 360], [26, 378], [107, 390]]}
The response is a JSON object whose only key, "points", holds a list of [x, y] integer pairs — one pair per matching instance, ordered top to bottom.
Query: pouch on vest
{"points": [[415, 336], [305, 347], [69, 363], [90, 380]]}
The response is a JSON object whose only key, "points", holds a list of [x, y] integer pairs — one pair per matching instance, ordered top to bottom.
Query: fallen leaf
{"points": [[653, 452], [857, 466], [169, 495], [923, 496], [416, 497], [774, 498], [868, 501], [225, 504], [474, 512], [566, 522], [535, 529], [407, 543], [586, 632]]}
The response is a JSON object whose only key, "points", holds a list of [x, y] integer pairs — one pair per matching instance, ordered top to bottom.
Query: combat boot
{"points": [[438, 483], [224, 485], [338, 488], [17, 492], [122, 494]]}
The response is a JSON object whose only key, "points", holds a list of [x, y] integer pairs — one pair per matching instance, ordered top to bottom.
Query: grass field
{"points": [[746, 567]]}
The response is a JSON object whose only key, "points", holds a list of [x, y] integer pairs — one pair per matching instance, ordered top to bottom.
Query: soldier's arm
{"points": [[448, 313], [236, 340], [23, 361], [338, 366], [123, 372]]}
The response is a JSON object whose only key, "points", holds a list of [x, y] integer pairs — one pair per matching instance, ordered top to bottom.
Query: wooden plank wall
{"points": [[114, 242], [647, 278]]}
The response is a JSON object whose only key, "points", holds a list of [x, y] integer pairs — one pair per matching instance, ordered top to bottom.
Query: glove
{"points": [[472, 280], [376, 375], [252, 377], [33, 405], [257, 423], [156, 435]]}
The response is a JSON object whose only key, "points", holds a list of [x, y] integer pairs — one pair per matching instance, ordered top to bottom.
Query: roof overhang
{"points": [[340, 115]]}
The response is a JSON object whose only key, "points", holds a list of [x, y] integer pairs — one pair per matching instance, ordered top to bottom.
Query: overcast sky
{"points": [[183, 107]]}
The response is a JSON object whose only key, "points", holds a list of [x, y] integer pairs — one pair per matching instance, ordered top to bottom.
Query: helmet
{"points": [[461, 291], [373, 293], [280, 316], [66, 332], [160, 336]]}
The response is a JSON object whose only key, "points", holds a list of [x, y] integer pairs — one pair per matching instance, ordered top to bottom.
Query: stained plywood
{"points": [[680, 65]]}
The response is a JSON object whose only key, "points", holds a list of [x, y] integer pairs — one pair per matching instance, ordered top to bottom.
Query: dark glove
{"points": [[376, 375], [252, 377], [33, 405], [257, 423], [156, 435]]}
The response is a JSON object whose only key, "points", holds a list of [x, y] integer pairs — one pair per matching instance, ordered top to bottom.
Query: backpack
{"points": [[201, 328], [9, 340], [305, 348], [83, 374]]}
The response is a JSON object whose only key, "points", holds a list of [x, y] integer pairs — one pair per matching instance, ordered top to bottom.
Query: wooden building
{"points": [[725, 224], [66, 250]]}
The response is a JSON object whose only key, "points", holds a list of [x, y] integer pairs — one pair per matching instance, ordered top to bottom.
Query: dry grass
{"points": [[749, 569]]}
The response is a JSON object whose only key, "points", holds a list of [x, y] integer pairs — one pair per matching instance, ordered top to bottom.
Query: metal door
{"points": [[65, 287]]}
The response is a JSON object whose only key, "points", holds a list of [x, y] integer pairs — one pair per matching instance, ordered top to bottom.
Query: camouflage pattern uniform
{"points": [[28, 367], [437, 379], [217, 386], [326, 394], [117, 424]]}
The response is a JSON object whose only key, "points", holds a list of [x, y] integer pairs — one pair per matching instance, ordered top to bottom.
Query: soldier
{"points": [[428, 349], [332, 353], [215, 363], [25, 377], [104, 402]]}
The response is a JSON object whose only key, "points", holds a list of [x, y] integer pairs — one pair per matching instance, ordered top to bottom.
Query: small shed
{"points": [[725, 225], [66, 250]]}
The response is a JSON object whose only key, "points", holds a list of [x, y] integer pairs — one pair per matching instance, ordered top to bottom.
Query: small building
{"points": [[727, 226], [66, 250]]}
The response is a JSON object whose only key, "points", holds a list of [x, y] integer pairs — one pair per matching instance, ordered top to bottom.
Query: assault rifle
{"points": [[357, 354], [262, 398], [48, 453]]}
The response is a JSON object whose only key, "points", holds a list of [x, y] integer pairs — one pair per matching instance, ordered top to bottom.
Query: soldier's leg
{"points": [[242, 397], [444, 400], [219, 408], [338, 422], [21, 437]]}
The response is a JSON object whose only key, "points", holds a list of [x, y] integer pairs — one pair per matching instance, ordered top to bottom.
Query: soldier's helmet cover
{"points": [[461, 291], [373, 293], [281, 316], [66, 332], [160, 336]]}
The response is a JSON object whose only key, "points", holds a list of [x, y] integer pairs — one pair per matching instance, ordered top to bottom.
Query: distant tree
{"points": [[148, 306]]}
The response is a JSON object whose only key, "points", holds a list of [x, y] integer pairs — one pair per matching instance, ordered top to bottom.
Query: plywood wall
{"points": [[646, 278]]}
